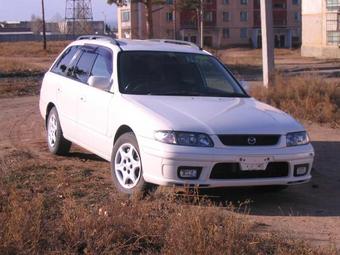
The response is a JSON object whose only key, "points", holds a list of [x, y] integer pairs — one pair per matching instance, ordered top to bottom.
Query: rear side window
{"points": [[64, 61], [83, 68]]}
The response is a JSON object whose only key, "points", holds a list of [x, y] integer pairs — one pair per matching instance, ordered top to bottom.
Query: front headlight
{"points": [[184, 138], [297, 138]]}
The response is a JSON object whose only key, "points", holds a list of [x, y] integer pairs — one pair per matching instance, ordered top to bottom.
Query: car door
{"points": [[66, 90], [69, 90], [94, 105]]}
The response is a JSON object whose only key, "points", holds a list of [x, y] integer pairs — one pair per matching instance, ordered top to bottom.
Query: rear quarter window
{"points": [[64, 61]]}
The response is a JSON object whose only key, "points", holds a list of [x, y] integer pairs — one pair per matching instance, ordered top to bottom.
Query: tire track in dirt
{"points": [[25, 131]]}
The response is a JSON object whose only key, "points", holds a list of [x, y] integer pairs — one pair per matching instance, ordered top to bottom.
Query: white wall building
{"points": [[321, 28]]}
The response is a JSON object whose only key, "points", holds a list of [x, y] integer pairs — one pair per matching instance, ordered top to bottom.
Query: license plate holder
{"points": [[254, 163]]}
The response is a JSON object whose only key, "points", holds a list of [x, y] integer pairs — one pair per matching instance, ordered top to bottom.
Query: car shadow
{"points": [[85, 156], [319, 197]]}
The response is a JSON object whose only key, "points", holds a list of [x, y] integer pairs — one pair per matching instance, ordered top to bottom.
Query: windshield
{"points": [[172, 73]]}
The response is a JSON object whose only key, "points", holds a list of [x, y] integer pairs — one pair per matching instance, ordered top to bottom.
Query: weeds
{"points": [[30, 49], [22, 59], [305, 97], [41, 220]]}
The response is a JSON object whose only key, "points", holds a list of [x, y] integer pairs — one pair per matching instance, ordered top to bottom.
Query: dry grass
{"points": [[31, 49], [27, 58], [10, 67], [24, 86], [305, 97], [42, 211]]}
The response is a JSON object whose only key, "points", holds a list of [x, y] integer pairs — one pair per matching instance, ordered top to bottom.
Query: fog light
{"points": [[300, 170], [187, 172]]}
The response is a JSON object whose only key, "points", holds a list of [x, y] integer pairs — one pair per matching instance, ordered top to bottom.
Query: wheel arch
{"points": [[49, 107], [123, 129]]}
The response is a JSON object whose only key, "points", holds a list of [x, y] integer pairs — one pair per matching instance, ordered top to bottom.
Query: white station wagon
{"points": [[166, 112]]}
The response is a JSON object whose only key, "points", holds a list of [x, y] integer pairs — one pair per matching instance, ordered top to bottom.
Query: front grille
{"points": [[249, 140], [233, 171]]}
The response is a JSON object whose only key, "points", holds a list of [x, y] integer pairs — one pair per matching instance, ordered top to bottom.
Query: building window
{"points": [[169, 1], [225, 1], [244, 2], [296, 2], [333, 4], [279, 6], [243, 15], [125, 16], [208, 16], [226, 16], [297, 16], [169, 17], [333, 28], [244, 32], [226, 33], [333, 37], [193, 39]]}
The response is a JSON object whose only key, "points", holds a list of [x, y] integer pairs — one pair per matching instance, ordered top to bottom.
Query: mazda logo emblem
{"points": [[251, 140]]}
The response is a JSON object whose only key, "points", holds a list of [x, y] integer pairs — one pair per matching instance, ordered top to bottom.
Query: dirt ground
{"points": [[310, 211]]}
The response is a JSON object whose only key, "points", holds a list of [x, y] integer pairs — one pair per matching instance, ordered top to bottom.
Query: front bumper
{"points": [[161, 162]]}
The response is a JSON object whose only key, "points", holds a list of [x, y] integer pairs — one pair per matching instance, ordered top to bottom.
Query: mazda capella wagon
{"points": [[166, 112]]}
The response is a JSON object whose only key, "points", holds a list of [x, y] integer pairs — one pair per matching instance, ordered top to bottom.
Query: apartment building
{"points": [[132, 21], [226, 22], [321, 28]]}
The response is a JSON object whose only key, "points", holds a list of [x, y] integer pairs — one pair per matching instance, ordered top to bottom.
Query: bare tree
{"points": [[36, 24]]}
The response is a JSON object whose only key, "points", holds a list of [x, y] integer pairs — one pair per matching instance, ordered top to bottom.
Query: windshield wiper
{"points": [[177, 93], [227, 95]]}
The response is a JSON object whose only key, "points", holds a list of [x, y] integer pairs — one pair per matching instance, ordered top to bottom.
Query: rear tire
{"points": [[57, 144], [126, 167]]}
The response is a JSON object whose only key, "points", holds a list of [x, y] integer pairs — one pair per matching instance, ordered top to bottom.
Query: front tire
{"points": [[57, 144], [126, 166]]}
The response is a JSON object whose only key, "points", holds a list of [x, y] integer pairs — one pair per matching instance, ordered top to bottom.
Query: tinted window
{"points": [[64, 61], [103, 63], [83, 68], [171, 73], [214, 76]]}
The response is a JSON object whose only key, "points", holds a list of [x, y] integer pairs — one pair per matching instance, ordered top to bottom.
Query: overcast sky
{"points": [[14, 10]]}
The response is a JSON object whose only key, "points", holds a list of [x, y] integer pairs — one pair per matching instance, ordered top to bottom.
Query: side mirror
{"points": [[100, 82], [245, 85]]}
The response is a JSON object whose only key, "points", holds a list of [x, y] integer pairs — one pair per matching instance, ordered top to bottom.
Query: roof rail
{"points": [[99, 37], [179, 42]]}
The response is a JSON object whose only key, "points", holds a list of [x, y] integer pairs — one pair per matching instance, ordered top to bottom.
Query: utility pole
{"points": [[104, 14], [74, 17], [174, 19], [44, 24], [201, 24], [267, 42]]}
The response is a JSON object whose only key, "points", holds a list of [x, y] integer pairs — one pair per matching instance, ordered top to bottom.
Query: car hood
{"points": [[217, 115]]}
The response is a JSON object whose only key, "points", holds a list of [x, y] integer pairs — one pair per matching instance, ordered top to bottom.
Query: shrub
{"points": [[305, 97]]}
